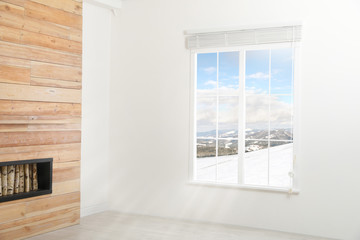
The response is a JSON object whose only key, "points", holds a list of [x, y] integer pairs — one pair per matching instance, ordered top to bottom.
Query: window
{"points": [[243, 115]]}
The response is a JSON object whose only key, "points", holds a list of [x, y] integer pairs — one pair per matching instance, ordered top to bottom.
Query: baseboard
{"points": [[89, 210]]}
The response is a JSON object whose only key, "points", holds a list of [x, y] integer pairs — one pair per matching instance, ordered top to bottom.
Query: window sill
{"points": [[247, 187]]}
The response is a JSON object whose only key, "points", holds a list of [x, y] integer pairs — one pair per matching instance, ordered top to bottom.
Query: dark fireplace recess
{"points": [[40, 185]]}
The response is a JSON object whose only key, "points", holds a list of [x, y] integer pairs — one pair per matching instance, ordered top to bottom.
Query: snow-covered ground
{"points": [[256, 170]]}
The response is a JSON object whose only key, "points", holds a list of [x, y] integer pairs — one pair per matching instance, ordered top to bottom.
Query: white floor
{"points": [[117, 226]]}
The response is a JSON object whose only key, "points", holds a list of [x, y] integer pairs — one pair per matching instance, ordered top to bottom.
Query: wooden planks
{"points": [[15, 2], [66, 5], [11, 7], [49, 14], [10, 17], [46, 28], [15, 35], [36, 39], [38, 54], [16, 62], [53, 71], [12, 74], [55, 83], [37, 93], [30, 108], [40, 108], [14, 120], [11, 139], [59, 152], [65, 174], [66, 187], [57, 202], [15, 212], [40, 224]]}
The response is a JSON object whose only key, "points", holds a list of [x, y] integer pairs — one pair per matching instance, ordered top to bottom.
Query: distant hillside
{"points": [[254, 140]]}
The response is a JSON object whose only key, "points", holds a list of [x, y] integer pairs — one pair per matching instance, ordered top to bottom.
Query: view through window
{"points": [[244, 116]]}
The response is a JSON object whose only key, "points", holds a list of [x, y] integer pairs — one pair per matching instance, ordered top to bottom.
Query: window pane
{"points": [[281, 71], [257, 72], [229, 73], [206, 74], [257, 116], [206, 117], [228, 117], [281, 118], [227, 147], [205, 148], [281, 157], [256, 162], [206, 169], [227, 169]]}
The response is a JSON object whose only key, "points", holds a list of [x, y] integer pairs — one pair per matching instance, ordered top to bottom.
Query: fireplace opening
{"points": [[25, 178]]}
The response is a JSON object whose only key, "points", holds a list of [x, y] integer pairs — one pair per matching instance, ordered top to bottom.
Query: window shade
{"points": [[244, 37]]}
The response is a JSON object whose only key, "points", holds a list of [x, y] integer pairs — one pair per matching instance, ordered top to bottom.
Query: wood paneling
{"points": [[17, 2], [66, 5], [12, 8], [49, 14], [10, 19], [34, 25], [42, 40], [38, 54], [16, 62], [53, 71], [11, 74], [54, 83], [37, 93], [28, 108], [40, 108], [10, 120], [39, 127], [12, 139], [59, 152], [66, 174], [66, 187], [57, 202], [15, 212], [38, 224]]}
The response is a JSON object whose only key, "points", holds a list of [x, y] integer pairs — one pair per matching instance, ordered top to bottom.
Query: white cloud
{"points": [[209, 70], [258, 75], [210, 83], [257, 111]]}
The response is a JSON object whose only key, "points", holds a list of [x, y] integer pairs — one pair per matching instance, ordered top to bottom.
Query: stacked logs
{"points": [[16, 179]]}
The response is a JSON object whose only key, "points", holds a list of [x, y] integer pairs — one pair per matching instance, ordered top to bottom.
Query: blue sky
{"points": [[206, 70], [229, 70], [256, 72], [257, 81]]}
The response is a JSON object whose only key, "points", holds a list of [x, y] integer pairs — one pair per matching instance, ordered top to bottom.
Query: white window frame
{"points": [[295, 188]]}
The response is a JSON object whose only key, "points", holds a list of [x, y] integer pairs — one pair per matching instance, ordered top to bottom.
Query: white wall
{"points": [[95, 109], [149, 117]]}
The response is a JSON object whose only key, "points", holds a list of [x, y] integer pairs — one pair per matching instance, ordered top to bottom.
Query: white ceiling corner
{"points": [[109, 4]]}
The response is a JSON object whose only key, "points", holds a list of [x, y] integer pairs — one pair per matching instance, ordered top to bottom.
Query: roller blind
{"points": [[244, 37]]}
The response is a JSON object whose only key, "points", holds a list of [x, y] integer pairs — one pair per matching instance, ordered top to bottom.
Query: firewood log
{"points": [[31, 176], [34, 177], [11, 178], [17, 178], [27, 178], [4, 180], [22, 181], [0, 184]]}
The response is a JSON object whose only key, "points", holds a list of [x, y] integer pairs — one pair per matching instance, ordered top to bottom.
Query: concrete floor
{"points": [[114, 225]]}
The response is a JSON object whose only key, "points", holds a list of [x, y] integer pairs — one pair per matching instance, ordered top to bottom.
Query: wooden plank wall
{"points": [[40, 107]]}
